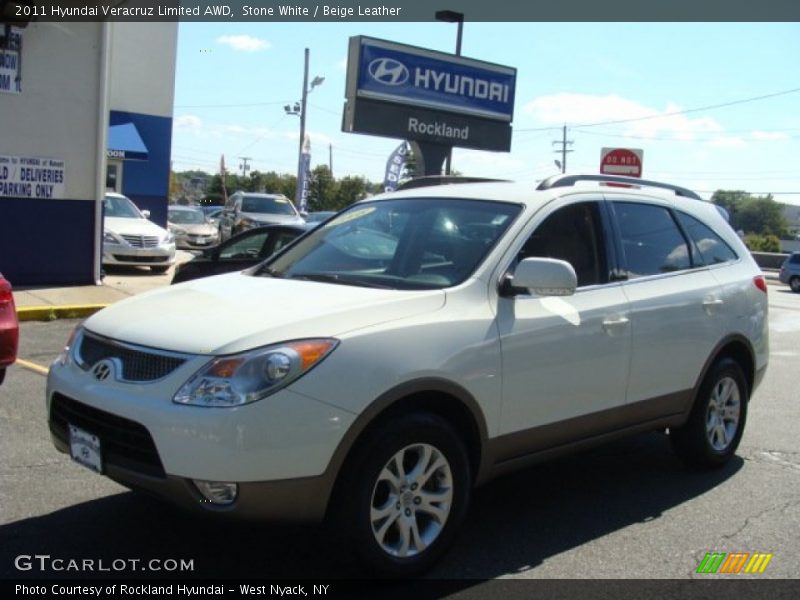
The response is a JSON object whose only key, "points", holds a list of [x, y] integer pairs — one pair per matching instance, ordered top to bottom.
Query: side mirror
{"points": [[146, 214], [545, 277]]}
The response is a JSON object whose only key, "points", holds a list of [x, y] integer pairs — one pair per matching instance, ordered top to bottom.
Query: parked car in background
{"points": [[245, 210], [212, 213], [319, 216], [191, 228], [131, 239], [240, 252], [790, 272], [9, 327], [417, 345]]}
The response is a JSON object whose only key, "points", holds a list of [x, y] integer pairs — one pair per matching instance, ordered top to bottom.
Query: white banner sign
{"points": [[10, 82], [31, 177]]}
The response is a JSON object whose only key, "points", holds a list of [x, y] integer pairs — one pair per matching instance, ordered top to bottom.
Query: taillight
{"points": [[760, 282], [9, 328]]}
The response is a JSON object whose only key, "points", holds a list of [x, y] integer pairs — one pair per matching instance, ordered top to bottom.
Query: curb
{"points": [[51, 313]]}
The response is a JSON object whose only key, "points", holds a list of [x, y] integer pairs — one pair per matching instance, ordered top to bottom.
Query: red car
{"points": [[9, 327]]}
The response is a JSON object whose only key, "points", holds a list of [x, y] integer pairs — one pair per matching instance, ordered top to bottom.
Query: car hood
{"points": [[270, 218], [126, 226], [195, 228], [236, 312]]}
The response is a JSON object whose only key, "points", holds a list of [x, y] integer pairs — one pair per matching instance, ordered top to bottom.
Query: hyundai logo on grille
{"points": [[388, 71], [103, 369]]}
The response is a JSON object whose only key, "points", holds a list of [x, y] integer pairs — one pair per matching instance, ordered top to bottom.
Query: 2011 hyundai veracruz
{"points": [[415, 346]]}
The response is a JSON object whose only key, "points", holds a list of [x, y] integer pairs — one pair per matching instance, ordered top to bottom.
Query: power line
{"points": [[230, 105], [693, 110], [673, 113]]}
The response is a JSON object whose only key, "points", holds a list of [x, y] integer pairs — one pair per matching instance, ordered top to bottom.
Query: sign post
{"points": [[621, 161]]}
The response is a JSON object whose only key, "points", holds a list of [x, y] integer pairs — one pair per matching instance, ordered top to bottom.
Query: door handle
{"points": [[711, 304], [614, 323]]}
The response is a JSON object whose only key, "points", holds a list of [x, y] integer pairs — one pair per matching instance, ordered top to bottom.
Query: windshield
{"points": [[271, 205], [120, 206], [186, 217], [423, 243]]}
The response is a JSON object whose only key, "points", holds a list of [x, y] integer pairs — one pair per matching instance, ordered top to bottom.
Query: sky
{"points": [[712, 105]]}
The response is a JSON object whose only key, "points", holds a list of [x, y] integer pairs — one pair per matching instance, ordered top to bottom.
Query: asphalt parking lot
{"points": [[627, 510]]}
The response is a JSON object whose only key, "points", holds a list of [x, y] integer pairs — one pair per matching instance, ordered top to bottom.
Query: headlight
{"points": [[177, 231], [170, 237], [111, 238], [63, 358], [250, 376]]}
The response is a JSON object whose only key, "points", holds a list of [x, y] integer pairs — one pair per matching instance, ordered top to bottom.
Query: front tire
{"points": [[159, 269], [711, 435], [404, 495]]}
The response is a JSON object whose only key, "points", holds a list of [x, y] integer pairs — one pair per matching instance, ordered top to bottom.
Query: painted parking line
{"points": [[31, 366]]}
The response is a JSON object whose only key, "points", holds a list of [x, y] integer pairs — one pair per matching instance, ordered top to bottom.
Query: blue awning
{"points": [[124, 142]]}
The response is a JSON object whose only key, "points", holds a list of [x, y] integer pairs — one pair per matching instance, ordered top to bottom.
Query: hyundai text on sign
{"points": [[425, 78], [621, 161]]}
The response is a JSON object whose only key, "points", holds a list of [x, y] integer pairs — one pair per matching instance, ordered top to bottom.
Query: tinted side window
{"points": [[573, 234], [651, 240], [249, 247], [713, 248], [794, 259]]}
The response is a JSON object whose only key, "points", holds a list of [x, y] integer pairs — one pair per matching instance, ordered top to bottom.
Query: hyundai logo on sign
{"points": [[388, 71], [427, 79]]}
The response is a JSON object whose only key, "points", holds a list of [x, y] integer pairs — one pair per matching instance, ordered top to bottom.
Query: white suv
{"points": [[417, 345]]}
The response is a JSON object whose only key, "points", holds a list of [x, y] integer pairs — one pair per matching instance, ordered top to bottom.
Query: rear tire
{"points": [[794, 283], [711, 435], [404, 494]]}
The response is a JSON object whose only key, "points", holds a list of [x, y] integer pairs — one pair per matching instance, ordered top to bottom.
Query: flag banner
{"points": [[394, 167], [305, 174]]}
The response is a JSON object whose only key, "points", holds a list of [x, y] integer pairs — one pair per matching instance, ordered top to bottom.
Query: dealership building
{"points": [[84, 107]]}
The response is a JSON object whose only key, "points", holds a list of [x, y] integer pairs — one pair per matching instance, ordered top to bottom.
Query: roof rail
{"points": [[427, 180], [570, 180]]}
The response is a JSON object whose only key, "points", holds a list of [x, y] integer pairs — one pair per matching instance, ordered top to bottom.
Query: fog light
{"points": [[217, 492]]}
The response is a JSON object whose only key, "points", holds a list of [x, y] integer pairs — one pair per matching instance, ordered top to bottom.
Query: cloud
{"points": [[244, 43], [342, 64], [643, 121], [188, 123], [769, 136], [727, 141]]}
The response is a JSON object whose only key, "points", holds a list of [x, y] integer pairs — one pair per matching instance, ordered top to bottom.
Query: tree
{"points": [[752, 214]]}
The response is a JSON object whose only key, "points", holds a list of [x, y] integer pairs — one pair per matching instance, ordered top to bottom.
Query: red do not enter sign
{"points": [[621, 161]]}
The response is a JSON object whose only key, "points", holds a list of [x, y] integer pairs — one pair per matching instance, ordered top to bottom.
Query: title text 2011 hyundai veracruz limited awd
{"points": [[416, 345]]}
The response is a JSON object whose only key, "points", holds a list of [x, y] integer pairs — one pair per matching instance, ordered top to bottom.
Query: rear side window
{"points": [[651, 240], [712, 248], [794, 259]]}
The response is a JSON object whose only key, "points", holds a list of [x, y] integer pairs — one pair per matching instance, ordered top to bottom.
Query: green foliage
{"points": [[752, 214], [762, 243]]}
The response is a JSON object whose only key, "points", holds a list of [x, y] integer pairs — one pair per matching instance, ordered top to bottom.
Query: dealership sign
{"points": [[424, 78], [417, 94]]}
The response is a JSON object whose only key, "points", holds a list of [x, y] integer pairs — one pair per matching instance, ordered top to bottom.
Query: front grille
{"points": [[141, 241], [141, 259], [137, 365], [124, 443]]}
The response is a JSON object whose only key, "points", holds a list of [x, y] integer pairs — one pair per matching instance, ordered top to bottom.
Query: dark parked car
{"points": [[239, 252], [9, 327]]}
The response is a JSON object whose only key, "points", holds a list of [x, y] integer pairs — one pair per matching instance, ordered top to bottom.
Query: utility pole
{"points": [[563, 150], [330, 159], [243, 165], [299, 192]]}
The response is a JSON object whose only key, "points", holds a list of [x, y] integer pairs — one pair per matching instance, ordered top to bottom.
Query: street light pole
{"points": [[451, 16]]}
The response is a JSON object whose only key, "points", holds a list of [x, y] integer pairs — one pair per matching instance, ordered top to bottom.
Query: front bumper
{"points": [[196, 242], [119, 254], [278, 450]]}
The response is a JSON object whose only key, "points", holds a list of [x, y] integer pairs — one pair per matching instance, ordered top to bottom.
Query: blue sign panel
{"points": [[414, 76]]}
